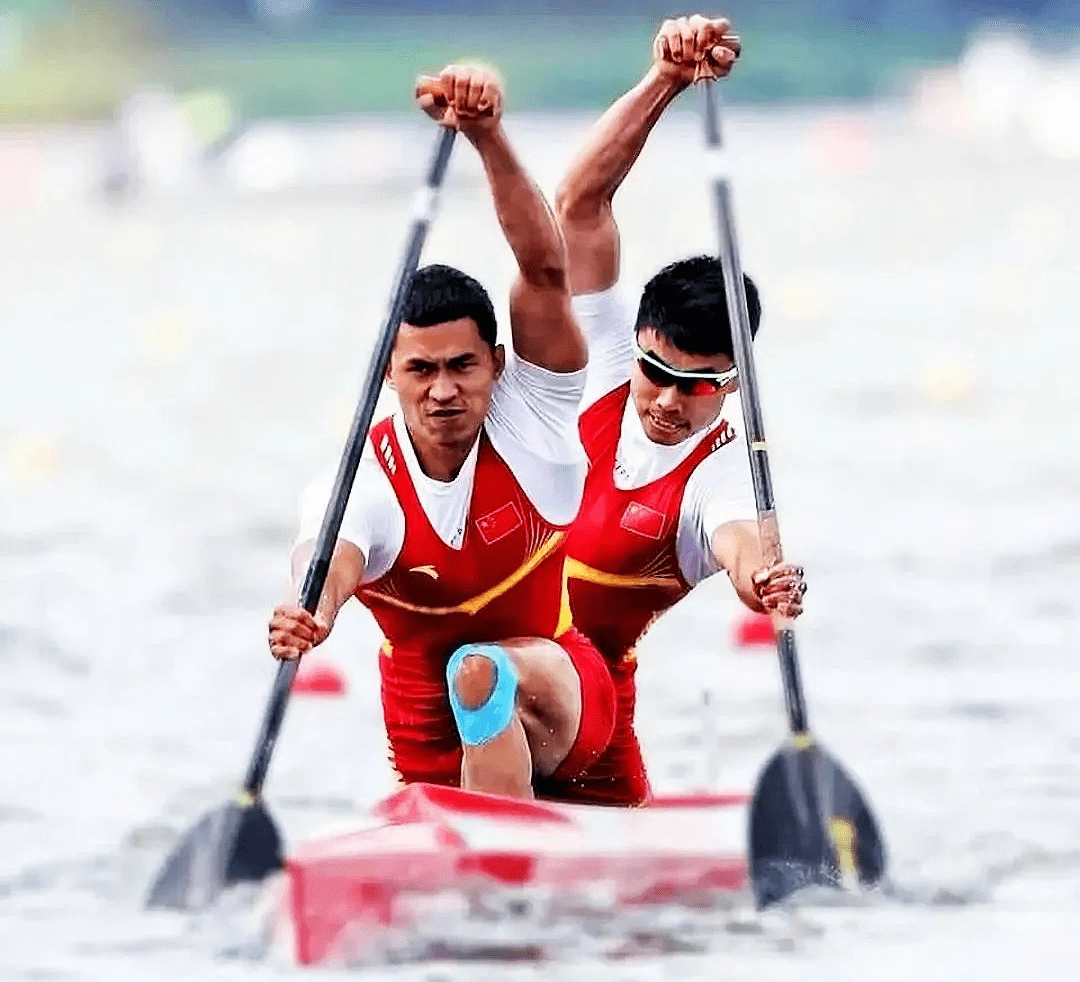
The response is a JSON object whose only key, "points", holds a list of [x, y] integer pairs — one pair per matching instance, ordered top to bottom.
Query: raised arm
{"points": [[684, 51], [543, 327]]}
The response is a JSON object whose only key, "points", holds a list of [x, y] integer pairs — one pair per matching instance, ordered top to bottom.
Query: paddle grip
{"points": [[319, 566]]}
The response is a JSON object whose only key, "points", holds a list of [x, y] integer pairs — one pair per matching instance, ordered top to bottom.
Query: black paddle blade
{"points": [[810, 824], [235, 844]]}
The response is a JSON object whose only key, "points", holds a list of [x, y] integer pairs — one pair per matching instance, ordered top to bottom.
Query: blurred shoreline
{"points": [[85, 69], [217, 136]]}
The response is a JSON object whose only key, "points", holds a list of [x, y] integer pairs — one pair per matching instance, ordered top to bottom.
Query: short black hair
{"points": [[438, 294], [686, 304]]}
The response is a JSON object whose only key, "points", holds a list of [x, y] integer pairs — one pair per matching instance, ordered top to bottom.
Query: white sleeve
{"points": [[607, 322], [533, 425], [719, 490], [373, 521]]}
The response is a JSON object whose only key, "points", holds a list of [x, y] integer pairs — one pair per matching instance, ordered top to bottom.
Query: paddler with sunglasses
{"points": [[668, 499]]}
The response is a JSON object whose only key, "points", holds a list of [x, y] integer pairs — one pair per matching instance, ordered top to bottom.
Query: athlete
{"points": [[668, 500], [454, 536]]}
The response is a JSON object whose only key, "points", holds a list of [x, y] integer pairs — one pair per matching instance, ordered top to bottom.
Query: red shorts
{"points": [[425, 745], [617, 776]]}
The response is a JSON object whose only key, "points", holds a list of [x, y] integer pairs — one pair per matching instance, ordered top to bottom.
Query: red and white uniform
{"points": [[643, 536], [476, 559], [623, 565]]}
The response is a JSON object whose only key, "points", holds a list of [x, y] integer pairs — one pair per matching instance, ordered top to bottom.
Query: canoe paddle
{"points": [[809, 822], [240, 842]]}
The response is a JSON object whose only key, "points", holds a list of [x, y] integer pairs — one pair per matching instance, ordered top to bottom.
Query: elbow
{"points": [[567, 200], [576, 204], [586, 218], [546, 265], [546, 275], [549, 275]]}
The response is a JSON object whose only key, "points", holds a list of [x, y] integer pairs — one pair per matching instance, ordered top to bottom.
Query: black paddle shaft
{"points": [[739, 317], [319, 566], [809, 822]]}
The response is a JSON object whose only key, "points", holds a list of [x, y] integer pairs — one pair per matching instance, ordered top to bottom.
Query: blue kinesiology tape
{"points": [[490, 718]]}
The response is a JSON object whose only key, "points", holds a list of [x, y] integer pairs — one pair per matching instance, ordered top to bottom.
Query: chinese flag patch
{"points": [[643, 520], [499, 523]]}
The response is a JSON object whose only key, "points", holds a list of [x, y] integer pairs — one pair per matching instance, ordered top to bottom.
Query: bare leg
{"points": [[549, 700], [544, 725], [503, 764]]}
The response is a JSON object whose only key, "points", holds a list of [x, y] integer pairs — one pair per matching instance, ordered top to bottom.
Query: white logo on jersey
{"points": [[724, 435], [388, 454]]}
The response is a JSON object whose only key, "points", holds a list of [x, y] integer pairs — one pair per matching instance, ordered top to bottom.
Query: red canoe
{"points": [[342, 891]]}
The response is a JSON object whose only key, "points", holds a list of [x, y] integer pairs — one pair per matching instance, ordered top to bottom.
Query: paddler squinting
{"points": [[455, 533]]}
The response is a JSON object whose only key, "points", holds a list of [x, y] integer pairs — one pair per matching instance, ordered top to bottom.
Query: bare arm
{"points": [[684, 51], [585, 194], [544, 330], [545, 333], [737, 549], [344, 578], [293, 631]]}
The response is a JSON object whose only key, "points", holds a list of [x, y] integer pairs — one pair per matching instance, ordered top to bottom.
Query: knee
{"points": [[474, 681], [483, 685]]}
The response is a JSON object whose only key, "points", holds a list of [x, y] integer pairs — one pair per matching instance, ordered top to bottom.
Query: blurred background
{"points": [[79, 59], [187, 88], [202, 205]]}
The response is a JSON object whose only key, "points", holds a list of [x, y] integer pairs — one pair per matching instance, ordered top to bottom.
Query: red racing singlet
{"points": [[622, 568], [505, 581]]}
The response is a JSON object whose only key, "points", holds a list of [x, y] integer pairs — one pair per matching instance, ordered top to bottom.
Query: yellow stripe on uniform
{"points": [[577, 570], [481, 600]]}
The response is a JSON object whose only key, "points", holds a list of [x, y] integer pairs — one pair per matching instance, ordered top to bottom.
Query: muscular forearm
{"points": [[616, 140], [584, 196], [527, 222], [737, 550], [343, 579], [741, 579], [777, 589]]}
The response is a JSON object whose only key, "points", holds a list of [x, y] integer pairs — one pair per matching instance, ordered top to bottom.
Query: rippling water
{"points": [[174, 371]]}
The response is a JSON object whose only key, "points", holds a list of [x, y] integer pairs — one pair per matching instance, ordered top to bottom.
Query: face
{"points": [[443, 376], [669, 413]]}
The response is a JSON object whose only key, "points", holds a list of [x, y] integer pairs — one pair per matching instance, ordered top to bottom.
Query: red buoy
{"points": [[753, 630], [318, 679]]}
